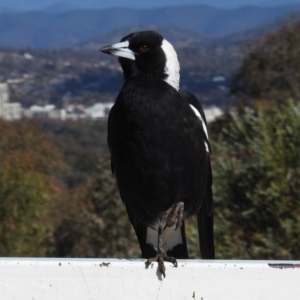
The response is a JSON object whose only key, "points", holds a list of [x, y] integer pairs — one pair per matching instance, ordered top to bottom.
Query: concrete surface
{"points": [[84, 279]]}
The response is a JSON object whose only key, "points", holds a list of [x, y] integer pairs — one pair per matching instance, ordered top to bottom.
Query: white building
{"points": [[4, 97], [98, 110], [8, 111], [12, 111], [44, 112]]}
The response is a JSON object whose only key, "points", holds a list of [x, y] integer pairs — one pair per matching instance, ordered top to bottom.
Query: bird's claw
{"points": [[160, 258]]}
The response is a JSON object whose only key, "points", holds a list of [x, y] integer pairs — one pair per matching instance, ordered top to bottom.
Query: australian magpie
{"points": [[160, 152]]}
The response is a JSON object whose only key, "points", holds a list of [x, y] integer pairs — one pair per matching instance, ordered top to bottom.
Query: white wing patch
{"points": [[172, 67], [197, 113]]}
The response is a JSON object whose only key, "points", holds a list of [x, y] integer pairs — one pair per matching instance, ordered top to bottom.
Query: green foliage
{"points": [[270, 70], [82, 143], [28, 163], [256, 182], [24, 205], [94, 222], [192, 238]]}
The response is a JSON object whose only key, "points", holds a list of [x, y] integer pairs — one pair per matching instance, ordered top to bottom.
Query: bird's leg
{"points": [[173, 216], [161, 255]]}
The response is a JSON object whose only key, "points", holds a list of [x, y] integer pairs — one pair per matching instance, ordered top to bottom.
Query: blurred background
{"points": [[241, 58]]}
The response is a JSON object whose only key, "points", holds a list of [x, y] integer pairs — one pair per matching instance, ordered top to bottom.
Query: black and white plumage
{"points": [[159, 148]]}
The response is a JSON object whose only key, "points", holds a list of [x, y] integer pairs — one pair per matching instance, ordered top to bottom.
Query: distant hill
{"points": [[62, 7], [62, 28], [254, 33], [179, 38]]}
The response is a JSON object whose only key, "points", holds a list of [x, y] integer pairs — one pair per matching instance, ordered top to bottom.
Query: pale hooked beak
{"points": [[119, 49]]}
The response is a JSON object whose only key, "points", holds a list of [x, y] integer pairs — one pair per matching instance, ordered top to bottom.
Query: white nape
{"points": [[172, 66]]}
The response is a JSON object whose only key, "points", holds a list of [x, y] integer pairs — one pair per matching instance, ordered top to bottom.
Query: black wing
{"points": [[205, 213]]}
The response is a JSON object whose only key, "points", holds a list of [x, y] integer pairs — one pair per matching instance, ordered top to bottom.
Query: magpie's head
{"points": [[146, 53]]}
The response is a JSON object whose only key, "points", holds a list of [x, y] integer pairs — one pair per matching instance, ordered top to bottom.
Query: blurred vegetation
{"points": [[269, 70], [82, 144], [30, 168], [256, 183], [59, 198], [94, 223]]}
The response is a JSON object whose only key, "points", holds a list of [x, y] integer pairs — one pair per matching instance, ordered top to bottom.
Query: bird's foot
{"points": [[174, 215], [160, 258]]}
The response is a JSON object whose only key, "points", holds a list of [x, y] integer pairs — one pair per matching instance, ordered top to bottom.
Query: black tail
{"points": [[205, 224]]}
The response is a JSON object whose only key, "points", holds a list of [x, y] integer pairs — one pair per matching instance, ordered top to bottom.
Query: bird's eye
{"points": [[144, 48]]}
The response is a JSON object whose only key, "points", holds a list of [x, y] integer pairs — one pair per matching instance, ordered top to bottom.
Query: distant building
{"points": [[28, 56], [219, 78], [4, 97], [99, 110], [8, 111], [12, 111], [44, 112], [59, 114]]}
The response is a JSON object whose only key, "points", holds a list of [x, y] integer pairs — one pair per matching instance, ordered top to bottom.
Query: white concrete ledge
{"points": [[85, 279]]}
